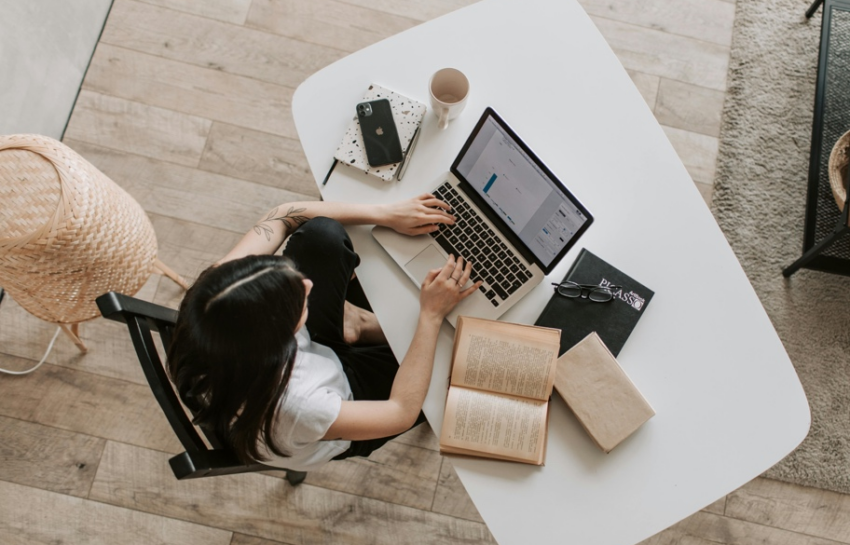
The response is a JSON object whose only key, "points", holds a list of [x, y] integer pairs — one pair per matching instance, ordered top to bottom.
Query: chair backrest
{"points": [[199, 460]]}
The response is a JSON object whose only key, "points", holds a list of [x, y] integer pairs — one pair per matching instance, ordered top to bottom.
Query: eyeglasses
{"points": [[597, 294]]}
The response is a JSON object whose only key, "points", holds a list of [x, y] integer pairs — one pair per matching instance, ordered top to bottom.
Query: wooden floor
{"points": [[187, 106]]}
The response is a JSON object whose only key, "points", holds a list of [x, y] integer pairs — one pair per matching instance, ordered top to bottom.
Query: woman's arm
{"points": [[415, 216], [360, 420]]}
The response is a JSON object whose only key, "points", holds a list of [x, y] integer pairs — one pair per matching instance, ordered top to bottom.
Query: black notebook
{"points": [[612, 321]]}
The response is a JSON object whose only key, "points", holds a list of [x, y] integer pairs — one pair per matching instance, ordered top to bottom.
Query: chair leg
{"points": [[813, 8], [814, 251], [162, 268], [73, 331], [295, 477]]}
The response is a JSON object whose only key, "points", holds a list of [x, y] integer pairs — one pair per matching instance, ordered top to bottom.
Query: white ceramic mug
{"points": [[449, 90]]}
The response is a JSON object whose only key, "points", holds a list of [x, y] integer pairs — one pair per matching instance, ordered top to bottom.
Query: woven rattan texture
{"points": [[836, 121], [838, 162], [22, 213], [69, 235]]}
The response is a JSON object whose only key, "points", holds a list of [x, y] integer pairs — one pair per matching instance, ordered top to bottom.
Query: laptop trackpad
{"points": [[428, 259]]}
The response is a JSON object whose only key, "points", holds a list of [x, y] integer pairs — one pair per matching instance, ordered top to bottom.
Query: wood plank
{"points": [[229, 11], [421, 11], [707, 20], [328, 23], [212, 44], [659, 53], [189, 89], [689, 107], [137, 128], [698, 152], [259, 157], [188, 194], [189, 248], [110, 351], [86, 403], [420, 436], [48, 458], [395, 473], [451, 497], [263, 506], [819, 513], [29, 516], [710, 529], [242, 539]]}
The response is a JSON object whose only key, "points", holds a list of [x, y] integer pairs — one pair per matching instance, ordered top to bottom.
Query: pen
{"points": [[403, 168], [328, 175]]}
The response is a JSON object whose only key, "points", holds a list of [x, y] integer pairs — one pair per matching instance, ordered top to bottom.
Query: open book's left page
{"points": [[514, 359]]}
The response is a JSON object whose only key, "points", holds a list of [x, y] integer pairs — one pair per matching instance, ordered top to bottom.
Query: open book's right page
{"points": [[498, 401]]}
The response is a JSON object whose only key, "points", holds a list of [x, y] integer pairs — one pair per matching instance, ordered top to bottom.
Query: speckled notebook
{"points": [[407, 114]]}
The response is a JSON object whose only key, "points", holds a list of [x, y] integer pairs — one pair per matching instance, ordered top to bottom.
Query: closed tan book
{"points": [[599, 392]]}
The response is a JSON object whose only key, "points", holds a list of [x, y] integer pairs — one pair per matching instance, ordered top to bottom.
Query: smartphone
{"points": [[379, 133]]}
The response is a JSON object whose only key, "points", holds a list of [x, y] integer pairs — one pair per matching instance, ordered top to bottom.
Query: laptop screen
{"points": [[520, 191]]}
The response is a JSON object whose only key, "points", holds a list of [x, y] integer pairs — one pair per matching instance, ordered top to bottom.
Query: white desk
{"points": [[729, 402]]}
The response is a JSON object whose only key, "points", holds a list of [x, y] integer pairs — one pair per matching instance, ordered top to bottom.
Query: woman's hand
{"points": [[417, 216], [442, 289], [362, 420]]}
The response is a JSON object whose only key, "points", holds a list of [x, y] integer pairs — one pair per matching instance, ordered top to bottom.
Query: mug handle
{"points": [[444, 118]]}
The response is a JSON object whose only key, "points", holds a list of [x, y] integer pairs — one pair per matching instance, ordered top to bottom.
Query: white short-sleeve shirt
{"points": [[310, 404]]}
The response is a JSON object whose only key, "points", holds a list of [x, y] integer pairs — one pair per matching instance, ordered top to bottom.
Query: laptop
{"points": [[514, 221]]}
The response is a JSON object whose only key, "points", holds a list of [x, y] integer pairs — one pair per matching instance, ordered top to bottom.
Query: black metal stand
{"points": [[813, 8], [841, 229], [825, 246]]}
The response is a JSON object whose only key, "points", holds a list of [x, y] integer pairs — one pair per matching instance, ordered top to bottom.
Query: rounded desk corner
{"points": [[298, 97], [808, 420], [801, 424]]}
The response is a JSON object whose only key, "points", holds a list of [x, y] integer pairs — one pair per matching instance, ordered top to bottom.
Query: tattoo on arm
{"points": [[291, 220]]}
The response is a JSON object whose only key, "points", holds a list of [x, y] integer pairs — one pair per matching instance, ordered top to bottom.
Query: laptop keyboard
{"points": [[493, 262]]}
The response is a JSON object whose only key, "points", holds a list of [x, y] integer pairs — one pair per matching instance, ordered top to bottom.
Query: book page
{"points": [[503, 357], [508, 427]]}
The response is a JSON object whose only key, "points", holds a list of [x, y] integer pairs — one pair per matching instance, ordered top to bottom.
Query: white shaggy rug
{"points": [[759, 202]]}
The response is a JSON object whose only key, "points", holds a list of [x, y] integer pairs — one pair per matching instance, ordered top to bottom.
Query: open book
{"points": [[501, 381]]}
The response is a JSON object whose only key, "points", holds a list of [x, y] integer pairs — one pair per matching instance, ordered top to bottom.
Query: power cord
{"points": [[49, 348], [31, 369]]}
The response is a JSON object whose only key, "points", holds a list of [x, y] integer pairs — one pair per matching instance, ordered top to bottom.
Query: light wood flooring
{"points": [[187, 106]]}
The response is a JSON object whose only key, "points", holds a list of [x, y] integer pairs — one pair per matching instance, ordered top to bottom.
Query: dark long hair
{"points": [[234, 346]]}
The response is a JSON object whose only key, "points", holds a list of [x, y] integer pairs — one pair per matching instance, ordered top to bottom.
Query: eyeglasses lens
{"points": [[569, 290], [601, 295]]}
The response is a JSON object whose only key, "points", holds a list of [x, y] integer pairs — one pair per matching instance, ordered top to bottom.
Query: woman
{"points": [[282, 358]]}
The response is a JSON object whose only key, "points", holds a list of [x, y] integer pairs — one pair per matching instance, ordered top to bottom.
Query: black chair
{"points": [[199, 460]]}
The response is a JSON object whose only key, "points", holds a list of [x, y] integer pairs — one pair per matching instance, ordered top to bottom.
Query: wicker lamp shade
{"points": [[67, 232]]}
